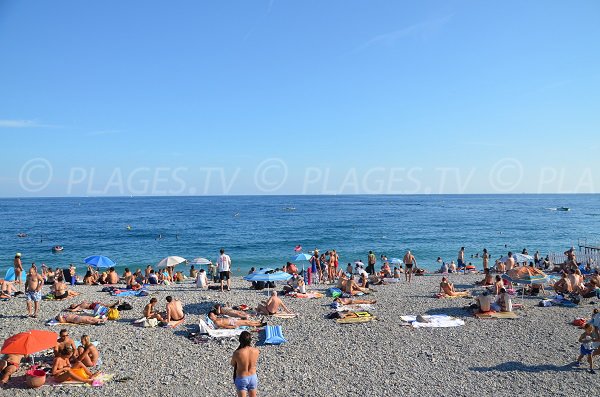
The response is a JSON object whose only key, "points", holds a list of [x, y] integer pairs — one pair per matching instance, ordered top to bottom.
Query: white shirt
{"points": [[224, 263]]}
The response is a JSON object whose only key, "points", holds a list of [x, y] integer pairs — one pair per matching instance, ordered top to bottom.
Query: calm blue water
{"points": [[262, 231]]}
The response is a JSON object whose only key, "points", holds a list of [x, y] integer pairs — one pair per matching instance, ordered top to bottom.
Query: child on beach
{"points": [[587, 340]]}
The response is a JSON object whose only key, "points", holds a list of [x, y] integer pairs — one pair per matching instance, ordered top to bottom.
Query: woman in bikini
{"points": [[8, 366], [63, 370]]}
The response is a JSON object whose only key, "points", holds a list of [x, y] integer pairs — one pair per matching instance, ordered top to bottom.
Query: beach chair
{"points": [[274, 335]]}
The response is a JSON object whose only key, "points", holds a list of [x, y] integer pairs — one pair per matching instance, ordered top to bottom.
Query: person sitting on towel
{"points": [[488, 279], [563, 286], [447, 288], [60, 289], [503, 301], [485, 302], [272, 305], [174, 310], [151, 312], [232, 323], [64, 340], [87, 353], [63, 370]]}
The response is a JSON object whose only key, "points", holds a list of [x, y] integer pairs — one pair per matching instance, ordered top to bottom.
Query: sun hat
{"points": [[18, 254]]}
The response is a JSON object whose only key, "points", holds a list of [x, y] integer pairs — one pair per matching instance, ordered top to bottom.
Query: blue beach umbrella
{"points": [[301, 257], [99, 261], [268, 277]]}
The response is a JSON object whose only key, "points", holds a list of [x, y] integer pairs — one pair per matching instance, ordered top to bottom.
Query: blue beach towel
{"points": [[274, 335]]}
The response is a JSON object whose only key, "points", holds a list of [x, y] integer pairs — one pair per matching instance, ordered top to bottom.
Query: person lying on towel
{"points": [[71, 318], [232, 323]]}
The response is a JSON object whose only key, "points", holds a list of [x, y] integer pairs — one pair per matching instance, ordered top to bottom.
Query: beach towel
{"points": [[334, 292], [122, 293], [309, 295], [444, 296], [359, 307], [285, 315], [496, 315], [355, 318], [54, 321], [433, 321], [146, 323], [174, 324], [218, 333], [274, 335], [101, 380]]}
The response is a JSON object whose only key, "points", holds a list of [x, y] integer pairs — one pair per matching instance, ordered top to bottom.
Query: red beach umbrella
{"points": [[29, 342]]}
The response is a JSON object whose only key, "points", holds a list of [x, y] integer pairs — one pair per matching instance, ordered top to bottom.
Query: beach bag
{"points": [[334, 292], [124, 306], [113, 314], [579, 322], [35, 377]]}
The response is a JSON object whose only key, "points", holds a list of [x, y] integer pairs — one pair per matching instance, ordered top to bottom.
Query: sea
{"points": [[263, 231]]}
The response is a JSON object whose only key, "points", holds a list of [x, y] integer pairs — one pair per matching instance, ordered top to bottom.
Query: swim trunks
{"points": [[224, 275], [34, 296], [585, 352], [246, 383]]}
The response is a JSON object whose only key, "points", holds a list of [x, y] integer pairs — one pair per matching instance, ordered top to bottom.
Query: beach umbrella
{"points": [[300, 257], [99, 261], [171, 261], [199, 261], [396, 261], [261, 275], [526, 275], [29, 342]]}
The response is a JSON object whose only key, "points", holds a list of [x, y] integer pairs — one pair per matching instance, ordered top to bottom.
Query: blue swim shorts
{"points": [[246, 383]]}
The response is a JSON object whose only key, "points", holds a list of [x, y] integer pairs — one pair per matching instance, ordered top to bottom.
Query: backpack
{"points": [[334, 292], [124, 306], [113, 314]]}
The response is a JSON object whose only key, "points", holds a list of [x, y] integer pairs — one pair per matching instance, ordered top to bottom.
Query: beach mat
{"points": [[285, 315], [501, 315], [354, 320], [433, 321], [51, 382]]}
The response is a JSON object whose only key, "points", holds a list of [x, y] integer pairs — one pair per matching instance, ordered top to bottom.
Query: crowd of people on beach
{"points": [[324, 270]]}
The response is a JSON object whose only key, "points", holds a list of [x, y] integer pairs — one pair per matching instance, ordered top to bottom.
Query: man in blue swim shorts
{"points": [[33, 290], [244, 367]]}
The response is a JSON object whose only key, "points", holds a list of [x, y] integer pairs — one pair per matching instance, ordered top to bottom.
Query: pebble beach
{"points": [[532, 354]]}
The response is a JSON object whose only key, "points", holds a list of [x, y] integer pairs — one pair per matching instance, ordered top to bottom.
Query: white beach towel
{"points": [[357, 307], [435, 321], [218, 333]]}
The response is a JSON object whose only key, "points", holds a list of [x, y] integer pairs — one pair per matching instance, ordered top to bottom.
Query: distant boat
{"points": [[563, 209], [22, 235]]}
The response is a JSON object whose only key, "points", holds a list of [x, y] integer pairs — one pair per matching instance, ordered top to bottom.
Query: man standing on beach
{"points": [[461, 258], [371, 260], [409, 260], [510, 262], [224, 268], [33, 291], [244, 361]]}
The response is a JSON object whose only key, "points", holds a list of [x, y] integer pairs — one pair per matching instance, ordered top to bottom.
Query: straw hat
{"points": [[18, 254]]}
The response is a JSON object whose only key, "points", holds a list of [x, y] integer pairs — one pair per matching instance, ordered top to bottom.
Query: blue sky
{"points": [[292, 97]]}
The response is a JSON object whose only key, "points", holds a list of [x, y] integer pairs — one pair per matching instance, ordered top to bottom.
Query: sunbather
{"points": [[487, 280], [563, 286], [350, 287], [447, 288], [7, 289], [60, 289], [348, 301], [503, 301], [485, 302], [272, 305], [77, 307], [174, 310], [151, 312], [230, 312], [71, 318], [232, 323], [63, 341], [87, 353], [8, 366], [63, 370]]}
